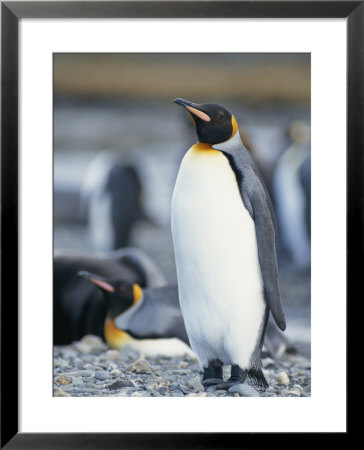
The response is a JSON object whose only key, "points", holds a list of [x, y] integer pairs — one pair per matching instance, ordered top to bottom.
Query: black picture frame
{"points": [[11, 13]]}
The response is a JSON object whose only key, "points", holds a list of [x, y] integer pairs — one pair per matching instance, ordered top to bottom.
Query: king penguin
{"points": [[224, 237], [79, 308], [146, 319]]}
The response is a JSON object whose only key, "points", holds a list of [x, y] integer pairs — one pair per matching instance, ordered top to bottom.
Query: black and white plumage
{"points": [[292, 195], [111, 200], [224, 236], [79, 307], [156, 315], [148, 320]]}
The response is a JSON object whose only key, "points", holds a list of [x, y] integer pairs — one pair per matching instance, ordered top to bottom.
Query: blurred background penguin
{"points": [[118, 143]]}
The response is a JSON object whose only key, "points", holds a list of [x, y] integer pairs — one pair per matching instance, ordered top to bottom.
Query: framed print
{"points": [[49, 54]]}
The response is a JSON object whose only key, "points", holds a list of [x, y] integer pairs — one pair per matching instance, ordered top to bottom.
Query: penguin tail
{"points": [[257, 378]]}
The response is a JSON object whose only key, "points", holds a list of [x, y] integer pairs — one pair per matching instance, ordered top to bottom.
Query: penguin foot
{"points": [[212, 375], [238, 376], [210, 383]]}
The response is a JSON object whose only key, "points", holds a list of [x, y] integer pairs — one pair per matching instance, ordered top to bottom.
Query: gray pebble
{"points": [[90, 344], [69, 353], [129, 353], [111, 355], [89, 358], [266, 362], [61, 363], [78, 363], [111, 365], [141, 366], [80, 373], [94, 375], [101, 375], [76, 381], [120, 384], [188, 384], [244, 390], [220, 392], [295, 392], [61, 393], [140, 394], [197, 394]]}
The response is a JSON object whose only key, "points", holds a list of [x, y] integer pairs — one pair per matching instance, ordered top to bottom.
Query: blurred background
{"points": [[119, 140]]}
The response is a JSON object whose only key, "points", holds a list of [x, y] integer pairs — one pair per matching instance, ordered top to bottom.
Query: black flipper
{"points": [[256, 200], [266, 238]]}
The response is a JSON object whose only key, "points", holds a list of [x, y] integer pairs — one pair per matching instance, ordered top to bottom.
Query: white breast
{"points": [[219, 277]]}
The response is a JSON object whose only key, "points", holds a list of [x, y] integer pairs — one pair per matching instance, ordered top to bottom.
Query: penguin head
{"points": [[214, 123], [119, 294]]}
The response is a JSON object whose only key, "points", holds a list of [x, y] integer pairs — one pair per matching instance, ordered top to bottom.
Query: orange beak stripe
{"points": [[198, 113], [103, 284]]}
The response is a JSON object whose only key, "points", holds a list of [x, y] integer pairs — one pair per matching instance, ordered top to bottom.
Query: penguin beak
{"points": [[193, 108], [96, 279]]}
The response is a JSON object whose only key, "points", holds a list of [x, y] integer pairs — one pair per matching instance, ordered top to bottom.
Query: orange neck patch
{"points": [[234, 123], [203, 147], [137, 291], [114, 337]]}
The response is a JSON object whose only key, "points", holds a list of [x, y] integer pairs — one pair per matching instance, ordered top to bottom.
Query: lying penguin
{"points": [[224, 237], [79, 307], [148, 320]]}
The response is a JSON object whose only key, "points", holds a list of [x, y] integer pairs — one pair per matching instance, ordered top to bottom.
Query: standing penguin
{"points": [[224, 236]]}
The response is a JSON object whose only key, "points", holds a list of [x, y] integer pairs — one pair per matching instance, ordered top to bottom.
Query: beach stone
{"points": [[90, 344], [69, 353], [130, 353], [111, 355], [89, 359], [266, 362], [61, 363], [78, 363], [111, 365], [140, 366], [295, 371], [80, 373], [115, 373], [101, 375], [282, 378], [63, 380], [76, 381], [189, 383], [121, 384], [244, 390], [220, 392], [284, 392], [295, 392], [61, 393], [140, 394], [197, 394]]}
